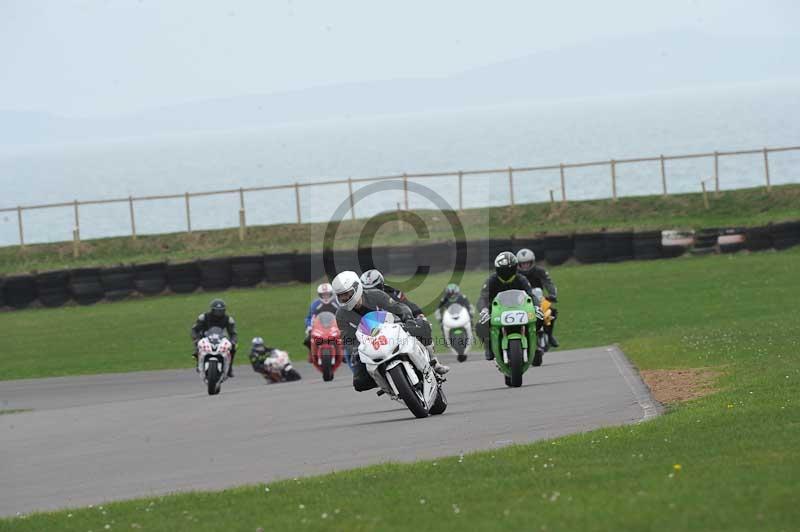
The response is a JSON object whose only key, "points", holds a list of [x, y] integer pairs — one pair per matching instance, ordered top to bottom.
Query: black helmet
{"points": [[505, 265], [218, 308]]}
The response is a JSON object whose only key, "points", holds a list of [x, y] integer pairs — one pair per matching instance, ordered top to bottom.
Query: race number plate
{"points": [[514, 317]]}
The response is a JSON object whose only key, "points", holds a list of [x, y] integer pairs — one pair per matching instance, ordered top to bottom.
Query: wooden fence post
{"points": [[766, 169], [716, 173], [663, 175], [614, 179], [563, 184], [511, 185], [405, 189], [460, 190], [705, 195], [552, 198], [297, 201], [352, 201], [188, 214], [133, 218], [77, 221], [242, 221], [21, 232], [76, 233]]}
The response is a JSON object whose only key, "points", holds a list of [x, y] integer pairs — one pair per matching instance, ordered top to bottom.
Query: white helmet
{"points": [[526, 259], [372, 279], [348, 289], [325, 292]]}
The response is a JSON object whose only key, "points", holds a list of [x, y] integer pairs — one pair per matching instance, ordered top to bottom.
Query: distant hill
{"points": [[624, 65]]}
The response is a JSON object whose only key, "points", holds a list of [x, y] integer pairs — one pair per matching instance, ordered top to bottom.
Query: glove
{"points": [[552, 299], [438, 314], [539, 314], [484, 317], [308, 330]]}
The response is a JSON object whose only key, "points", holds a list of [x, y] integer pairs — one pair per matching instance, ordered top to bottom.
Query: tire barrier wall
{"points": [[90, 285]]}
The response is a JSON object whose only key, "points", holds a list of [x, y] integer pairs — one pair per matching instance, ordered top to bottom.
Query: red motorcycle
{"points": [[327, 351]]}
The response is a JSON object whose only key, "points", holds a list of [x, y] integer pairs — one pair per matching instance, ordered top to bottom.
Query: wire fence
{"points": [[559, 194]]}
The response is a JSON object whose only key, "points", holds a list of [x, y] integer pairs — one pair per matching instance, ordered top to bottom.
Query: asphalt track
{"points": [[93, 439]]}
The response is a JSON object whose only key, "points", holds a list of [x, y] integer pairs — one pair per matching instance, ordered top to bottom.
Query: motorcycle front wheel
{"points": [[515, 362], [327, 368], [213, 376], [407, 392]]}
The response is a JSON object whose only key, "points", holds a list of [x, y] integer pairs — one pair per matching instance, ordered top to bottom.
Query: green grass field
{"points": [[747, 207], [728, 461]]}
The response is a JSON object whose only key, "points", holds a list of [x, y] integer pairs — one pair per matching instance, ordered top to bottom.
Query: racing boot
{"points": [[487, 351], [438, 367], [230, 371]]}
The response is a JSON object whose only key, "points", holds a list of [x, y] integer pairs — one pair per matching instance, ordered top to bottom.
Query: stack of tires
{"points": [[786, 235], [758, 238], [731, 240], [705, 241], [676, 243], [647, 245], [619, 246], [590, 248], [558, 249], [279, 268], [247, 271], [215, 274], [183, 277], [150, 279], [117, 282], [86, 286], [52, 288], [19, 291]]}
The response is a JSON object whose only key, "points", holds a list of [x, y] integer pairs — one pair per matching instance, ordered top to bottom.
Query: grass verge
{"points": [[746, 207], [727, 461]]}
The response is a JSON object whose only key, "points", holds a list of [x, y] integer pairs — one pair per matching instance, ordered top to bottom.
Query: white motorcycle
{"points": [[457, 330], [214, 359], [400, 364]]}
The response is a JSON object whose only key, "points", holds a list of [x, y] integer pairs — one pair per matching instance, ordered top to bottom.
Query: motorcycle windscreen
{"points": [[512, 298], [455, 309], [326, 319], [372, 321], [215, 335]]}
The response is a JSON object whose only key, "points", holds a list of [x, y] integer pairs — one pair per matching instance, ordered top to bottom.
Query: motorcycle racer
{"points": [[504, 278], [452, 295], [325, 302], [355, 302], [217, 316]]}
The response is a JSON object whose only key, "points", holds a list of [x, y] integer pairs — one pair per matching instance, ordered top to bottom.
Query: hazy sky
{"points": [[91, 57]]}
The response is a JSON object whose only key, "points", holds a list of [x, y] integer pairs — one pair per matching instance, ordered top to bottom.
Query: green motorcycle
{"points": [[513, 335]]}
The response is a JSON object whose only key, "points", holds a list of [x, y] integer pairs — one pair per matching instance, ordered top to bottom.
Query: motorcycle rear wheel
{"points": [[407, 392]]}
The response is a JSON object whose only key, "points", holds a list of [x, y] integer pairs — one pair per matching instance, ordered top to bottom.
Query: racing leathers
{"points": [[540, 278], [490, 289], [208, 320], [348, 321]]}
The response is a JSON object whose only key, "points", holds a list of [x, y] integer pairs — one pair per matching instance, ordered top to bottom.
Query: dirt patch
{"points": [[677, 385]]}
